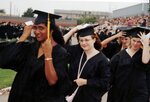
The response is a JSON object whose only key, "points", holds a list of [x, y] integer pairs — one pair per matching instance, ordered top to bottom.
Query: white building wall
{"points": [[135, 10]]}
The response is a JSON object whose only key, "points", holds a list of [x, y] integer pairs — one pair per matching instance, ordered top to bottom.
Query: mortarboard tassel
{"points": [[48, 27]]}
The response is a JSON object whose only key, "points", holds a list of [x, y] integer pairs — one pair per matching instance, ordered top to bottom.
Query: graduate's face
{"points": [[40, 31], [125, 41], [87, 42], [135, 43]]}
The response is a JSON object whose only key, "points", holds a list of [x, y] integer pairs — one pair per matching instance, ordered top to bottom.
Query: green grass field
{"points": [[6, 77]]}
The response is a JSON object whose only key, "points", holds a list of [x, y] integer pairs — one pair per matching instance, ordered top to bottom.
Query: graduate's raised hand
{"points": [[78, 27], [27, 30], [72, 32], [26, 33], [120, 34], [144, 39], [145, 42], [81, 81]]}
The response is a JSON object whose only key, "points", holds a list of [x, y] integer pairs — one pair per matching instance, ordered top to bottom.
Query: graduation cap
{"points": [[46, 18], [87, 29], [125, 29], [136, 30]]}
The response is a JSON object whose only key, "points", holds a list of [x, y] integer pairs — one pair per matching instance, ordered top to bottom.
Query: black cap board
{"points": [[43, 17], [88, 29], [125, 29], [134, 31]]}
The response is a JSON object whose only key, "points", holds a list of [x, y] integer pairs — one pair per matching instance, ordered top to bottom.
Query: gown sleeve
{"points": [[12, 56]]}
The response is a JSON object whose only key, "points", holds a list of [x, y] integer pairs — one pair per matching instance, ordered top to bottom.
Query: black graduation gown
{"points": [[96, 71], [128, 78], [148, 79], [30, 83]]}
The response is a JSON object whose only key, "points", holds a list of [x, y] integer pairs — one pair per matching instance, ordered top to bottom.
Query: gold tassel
{"points": [[48, 27]]}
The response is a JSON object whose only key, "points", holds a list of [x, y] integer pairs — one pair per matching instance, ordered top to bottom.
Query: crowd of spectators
{"points": [[142, 20], [13, 30]]}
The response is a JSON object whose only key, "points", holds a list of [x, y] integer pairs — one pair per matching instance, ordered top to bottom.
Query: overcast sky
{"points": [[19, 6]]}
